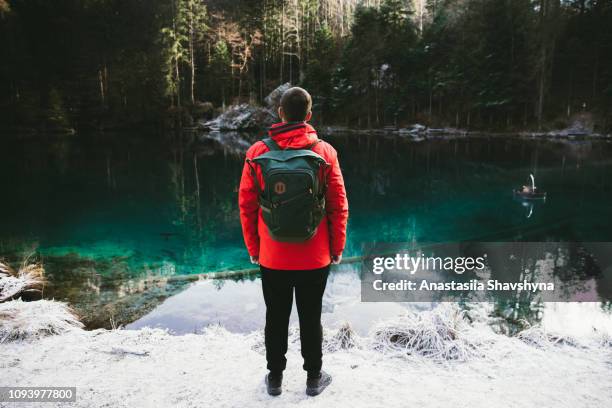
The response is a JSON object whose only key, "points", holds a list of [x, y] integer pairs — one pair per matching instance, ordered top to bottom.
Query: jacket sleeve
{"points": [[337, 206], [249, 207]]}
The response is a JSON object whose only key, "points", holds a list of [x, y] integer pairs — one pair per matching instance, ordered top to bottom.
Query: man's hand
{"points": [[336, 259], [255, 260]]}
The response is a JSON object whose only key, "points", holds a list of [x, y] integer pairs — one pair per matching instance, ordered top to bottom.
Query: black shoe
{"points": [[274, 384], [316, 384]]}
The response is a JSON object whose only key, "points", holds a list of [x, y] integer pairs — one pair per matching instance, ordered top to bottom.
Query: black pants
{"points": [[278, 289]]}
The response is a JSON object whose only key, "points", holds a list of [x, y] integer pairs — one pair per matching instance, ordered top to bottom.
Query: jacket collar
{"points": [[282, 127], [293, 134]]}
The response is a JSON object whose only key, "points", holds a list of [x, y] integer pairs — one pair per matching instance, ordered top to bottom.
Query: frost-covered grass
{"points": [[27, 281], [21, 320], [440, 334], [537, 336], [343, 339]]}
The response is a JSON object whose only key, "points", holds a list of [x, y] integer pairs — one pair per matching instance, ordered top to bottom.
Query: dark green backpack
{"points": [[293, 198]]}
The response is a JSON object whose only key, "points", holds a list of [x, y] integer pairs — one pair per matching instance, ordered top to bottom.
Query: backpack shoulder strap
{"points": [[272, 145], [312, 145]]}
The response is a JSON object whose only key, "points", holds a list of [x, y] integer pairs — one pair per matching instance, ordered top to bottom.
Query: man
{"points": [[294, 227]]}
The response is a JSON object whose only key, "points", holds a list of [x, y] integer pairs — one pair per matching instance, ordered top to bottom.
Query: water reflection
{"points": [[112, 215], [214, 302]]}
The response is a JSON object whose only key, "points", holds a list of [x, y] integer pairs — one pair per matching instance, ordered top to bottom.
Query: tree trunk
{"points": [[548, 32], [282, 42], [192, 59], [542, 61], [595, 69], [178, 82], [101, 83], [569, 94], [430, 100], [540, 104]]}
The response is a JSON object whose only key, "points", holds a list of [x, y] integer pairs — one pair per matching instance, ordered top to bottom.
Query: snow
{"points": [[150, 367]]}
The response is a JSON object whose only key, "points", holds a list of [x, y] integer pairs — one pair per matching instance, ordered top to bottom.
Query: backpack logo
{"points": [[280, 187]]}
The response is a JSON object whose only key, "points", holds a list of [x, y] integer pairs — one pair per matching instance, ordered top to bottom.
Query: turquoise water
{"points": [[110, 214]]}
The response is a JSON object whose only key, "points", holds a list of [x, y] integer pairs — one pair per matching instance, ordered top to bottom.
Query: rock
{"points": [[272, 101], [242, 117], [249, 117], [581, 125], [417, 127], [413, 129], [415, 132]]}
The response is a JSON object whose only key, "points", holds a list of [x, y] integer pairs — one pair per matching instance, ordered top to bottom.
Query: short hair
{"points": [[296, 103]]}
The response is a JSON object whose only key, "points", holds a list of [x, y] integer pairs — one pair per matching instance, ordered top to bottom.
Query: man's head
{"points": [[295, 105]]}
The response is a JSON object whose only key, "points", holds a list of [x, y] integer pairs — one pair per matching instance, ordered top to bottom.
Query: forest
{"points": [[474, 64]]}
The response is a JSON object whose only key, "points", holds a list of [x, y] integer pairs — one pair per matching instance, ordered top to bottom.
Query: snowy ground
{"points": [[217, 368]]}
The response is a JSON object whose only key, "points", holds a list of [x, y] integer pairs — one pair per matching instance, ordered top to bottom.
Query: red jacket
{"points": [[330, 236]]}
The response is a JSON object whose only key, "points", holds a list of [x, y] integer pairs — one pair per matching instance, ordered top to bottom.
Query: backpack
{"points": [[292, 201]]}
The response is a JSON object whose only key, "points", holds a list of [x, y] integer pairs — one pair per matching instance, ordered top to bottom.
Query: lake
{"points": [[116, 217]]}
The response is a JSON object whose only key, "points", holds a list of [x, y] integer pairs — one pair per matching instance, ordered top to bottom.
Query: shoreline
{"points": [[407, 133], [452, 133]]}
